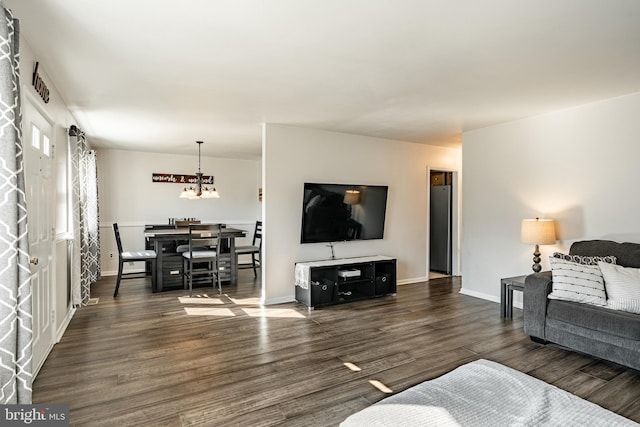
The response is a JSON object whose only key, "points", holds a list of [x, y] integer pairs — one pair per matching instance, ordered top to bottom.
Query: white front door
{"points": [[39, 185]]}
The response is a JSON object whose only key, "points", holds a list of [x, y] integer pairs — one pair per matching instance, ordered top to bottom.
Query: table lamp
{"points": [[537, 232]]}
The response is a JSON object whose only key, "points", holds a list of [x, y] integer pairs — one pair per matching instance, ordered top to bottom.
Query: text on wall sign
{"points": [[39, 85], [173, 178]]}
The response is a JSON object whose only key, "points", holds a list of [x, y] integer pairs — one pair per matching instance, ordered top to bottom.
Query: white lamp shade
{"points": [[187, 193], [209, 194], [352, 197], [538, 231]]}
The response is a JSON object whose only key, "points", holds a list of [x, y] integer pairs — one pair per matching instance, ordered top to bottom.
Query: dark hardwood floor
{"points": [[153, 359]]}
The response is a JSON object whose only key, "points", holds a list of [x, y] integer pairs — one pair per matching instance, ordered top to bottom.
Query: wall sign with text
{"points": [[39, 85], [174, 178]]}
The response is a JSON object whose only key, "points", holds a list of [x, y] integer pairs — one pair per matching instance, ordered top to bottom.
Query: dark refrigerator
{"points": [[440, 229]]}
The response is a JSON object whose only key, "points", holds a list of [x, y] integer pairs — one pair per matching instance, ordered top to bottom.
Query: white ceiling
{"points": [[156, 75]]}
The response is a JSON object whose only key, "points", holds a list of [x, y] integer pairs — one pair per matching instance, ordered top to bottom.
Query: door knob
{"points": [[34, 261]]}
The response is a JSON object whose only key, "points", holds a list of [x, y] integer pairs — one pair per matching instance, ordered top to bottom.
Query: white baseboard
{"points": [[480, 295], [279, 300], [517, 302], [65, 323]]}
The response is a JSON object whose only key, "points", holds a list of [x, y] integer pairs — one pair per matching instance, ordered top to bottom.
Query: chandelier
{"points": [[199, 192]]}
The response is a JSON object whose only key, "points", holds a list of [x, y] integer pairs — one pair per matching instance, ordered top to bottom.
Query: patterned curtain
{"points": [[86, 228], [15, 285]]}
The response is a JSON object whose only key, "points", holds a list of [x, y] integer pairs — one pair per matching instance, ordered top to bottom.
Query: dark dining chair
{"points": [[254, 249], [133, 256], [201, 261]]}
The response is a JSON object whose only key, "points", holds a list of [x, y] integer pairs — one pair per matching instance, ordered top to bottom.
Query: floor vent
{"points": [[93, 301]]}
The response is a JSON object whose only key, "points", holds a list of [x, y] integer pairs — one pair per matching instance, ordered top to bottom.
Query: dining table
{"points": [[169, 262]]}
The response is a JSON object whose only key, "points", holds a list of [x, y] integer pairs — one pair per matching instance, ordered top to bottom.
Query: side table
{"points": [[507, 286]]}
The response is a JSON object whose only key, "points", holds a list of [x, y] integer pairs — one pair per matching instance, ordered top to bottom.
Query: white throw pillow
{"points": [[577, 282], [623, 287]]}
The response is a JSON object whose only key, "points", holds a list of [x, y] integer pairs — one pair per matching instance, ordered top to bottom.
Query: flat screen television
{"points": [[339, 212]]}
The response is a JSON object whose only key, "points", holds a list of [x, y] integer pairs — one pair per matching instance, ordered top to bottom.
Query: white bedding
{"points": [[485, 393]]}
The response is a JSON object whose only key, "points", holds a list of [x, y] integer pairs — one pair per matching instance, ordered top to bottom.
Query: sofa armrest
{"points": [[536, 288]]}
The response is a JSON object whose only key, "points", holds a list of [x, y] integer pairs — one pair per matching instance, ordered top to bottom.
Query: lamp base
{"points": [[536, 260]]}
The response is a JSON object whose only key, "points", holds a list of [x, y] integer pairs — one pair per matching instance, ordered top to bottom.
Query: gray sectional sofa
{"points": [[599, 331]]}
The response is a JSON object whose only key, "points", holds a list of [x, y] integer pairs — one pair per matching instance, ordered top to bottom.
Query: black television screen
{"points": [[338, 212]]}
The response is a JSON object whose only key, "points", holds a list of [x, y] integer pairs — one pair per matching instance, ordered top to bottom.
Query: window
{"points": [[35, 137], [46, 146]]}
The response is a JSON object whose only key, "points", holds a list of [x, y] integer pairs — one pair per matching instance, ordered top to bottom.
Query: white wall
{"points": [[292, 156], [580, 167], [129, 197]]}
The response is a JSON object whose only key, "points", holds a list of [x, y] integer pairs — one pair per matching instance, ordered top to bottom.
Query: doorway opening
{"points": [[441, 194]]}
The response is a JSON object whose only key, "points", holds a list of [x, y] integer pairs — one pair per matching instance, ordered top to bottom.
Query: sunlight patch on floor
{"points": [[196, 300], [245, 301], [204, 305], [208, 311], [273, 313], [352, 366], [380, 386]]}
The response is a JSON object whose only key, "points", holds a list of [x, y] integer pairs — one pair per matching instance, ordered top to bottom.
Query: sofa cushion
{"points": [[627, 254], [577, 282], [623, 287], [591, 317], [624, 351]]}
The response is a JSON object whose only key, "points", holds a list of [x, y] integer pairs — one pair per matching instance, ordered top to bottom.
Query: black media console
{"points": [[320, 283]]}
